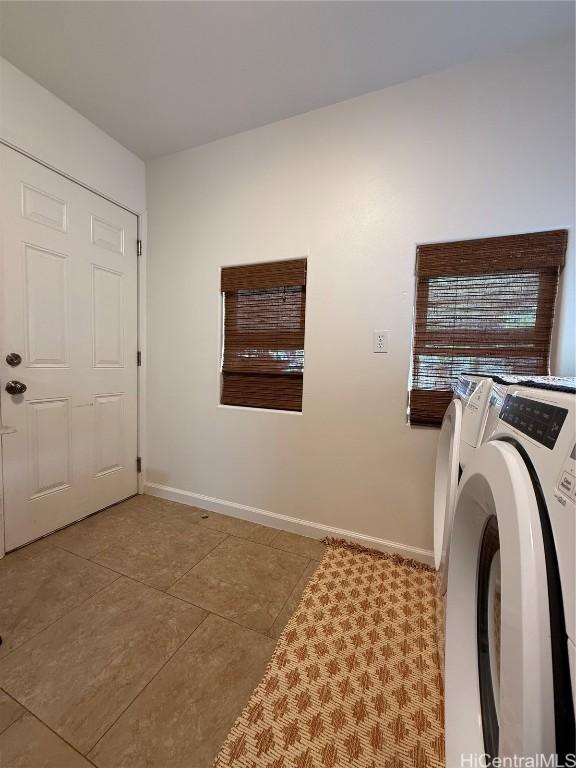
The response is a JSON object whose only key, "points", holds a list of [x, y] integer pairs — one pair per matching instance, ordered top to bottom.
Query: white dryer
{"points": [[502, 386], [471, 415], [461, 432], [510, 625]]}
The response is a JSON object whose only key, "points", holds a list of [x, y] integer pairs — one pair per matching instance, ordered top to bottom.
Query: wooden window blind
{"points": [[482, 306], [264, 316]]}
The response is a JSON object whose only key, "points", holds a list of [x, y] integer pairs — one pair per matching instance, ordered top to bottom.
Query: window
{"points": [[482, 306], [263, 355]]}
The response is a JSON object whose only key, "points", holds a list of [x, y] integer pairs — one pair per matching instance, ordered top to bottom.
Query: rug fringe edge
{"points": [[353, 547]]}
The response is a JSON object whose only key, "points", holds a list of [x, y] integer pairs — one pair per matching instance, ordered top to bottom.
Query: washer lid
{"points": [[446, 479]]}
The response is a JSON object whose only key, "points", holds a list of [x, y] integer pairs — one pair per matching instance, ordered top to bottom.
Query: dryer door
{"points": [[446, 481], [499, 674]]}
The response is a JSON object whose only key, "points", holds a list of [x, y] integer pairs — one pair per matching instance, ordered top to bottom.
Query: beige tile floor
{"points": [[134, 638]]}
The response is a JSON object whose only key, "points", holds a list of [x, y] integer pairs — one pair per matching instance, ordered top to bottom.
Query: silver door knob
{"points": [[15, 388]]}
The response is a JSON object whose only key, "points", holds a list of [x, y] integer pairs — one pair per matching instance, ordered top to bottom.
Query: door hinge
{"points": [[138, 247], [138, 358], [138, 463]]}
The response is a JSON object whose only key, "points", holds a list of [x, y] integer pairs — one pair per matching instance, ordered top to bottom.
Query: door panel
{"points": [[44, 208], [106, 235], [46, 307], [70, 310], [107, 315], [109, 438], [48, 446]]}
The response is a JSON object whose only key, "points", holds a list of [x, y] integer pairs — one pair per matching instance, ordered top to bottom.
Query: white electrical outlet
{"points": [[380, 341]]}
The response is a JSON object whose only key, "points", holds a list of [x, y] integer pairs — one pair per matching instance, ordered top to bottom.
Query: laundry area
{"points": [[287, 384]]}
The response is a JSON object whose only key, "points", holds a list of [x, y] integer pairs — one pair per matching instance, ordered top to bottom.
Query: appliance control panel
{"points": [[464, 388], [477, 397], [540, 421], [567, 479]]}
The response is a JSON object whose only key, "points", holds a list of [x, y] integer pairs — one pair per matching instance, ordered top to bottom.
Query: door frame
{"points": [[141, 264]]}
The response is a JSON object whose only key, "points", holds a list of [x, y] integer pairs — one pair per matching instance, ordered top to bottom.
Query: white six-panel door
{"points": [[69, 309]]}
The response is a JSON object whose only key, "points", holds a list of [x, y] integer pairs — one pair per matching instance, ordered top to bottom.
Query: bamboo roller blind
{"points": [[482, 306], [264, 317]]}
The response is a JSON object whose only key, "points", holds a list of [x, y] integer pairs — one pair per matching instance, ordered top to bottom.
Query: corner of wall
{"points": [[35, 121]]}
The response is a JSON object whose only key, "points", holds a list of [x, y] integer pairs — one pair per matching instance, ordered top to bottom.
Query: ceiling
{"points": [[164, 76]]}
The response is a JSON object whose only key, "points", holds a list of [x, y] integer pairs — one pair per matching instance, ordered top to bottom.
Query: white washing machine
{"points": [[510, 627]]}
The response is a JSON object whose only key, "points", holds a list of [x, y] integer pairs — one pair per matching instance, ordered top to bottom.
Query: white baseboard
{"points": [[285, 523]]}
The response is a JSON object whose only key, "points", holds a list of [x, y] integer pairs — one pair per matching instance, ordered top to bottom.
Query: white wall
{"points": [[36, 121], [481, 150]]}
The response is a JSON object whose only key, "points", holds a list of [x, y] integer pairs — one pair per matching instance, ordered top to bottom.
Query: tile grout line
{"points": [[153, 508], [226, 536], [270, 544], [89, 560], [311, 560], [121, 575], [133, 578], [160, 591], [164, 591], [288, 598], [183, 600], [66, 613], [226, 618], [264, 633], [170, 657], [141, 691], [20, 716], [59, 736]]}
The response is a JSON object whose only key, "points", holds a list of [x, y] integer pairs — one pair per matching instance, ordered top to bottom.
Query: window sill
{"points": [[424, 426]]}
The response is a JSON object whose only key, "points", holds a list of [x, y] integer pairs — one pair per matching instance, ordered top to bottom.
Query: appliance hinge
{"points": [[138, 247], [138, 358], [138, 464]]}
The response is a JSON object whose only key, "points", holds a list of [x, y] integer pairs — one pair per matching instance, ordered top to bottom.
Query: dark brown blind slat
{"points": [[536, 250], [271, 274], [483, 306], [264, 318], [487, 349], [263, 391], [427, 406]]}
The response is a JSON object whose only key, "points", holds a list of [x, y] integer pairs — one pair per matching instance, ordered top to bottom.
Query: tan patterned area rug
{"points": [[354, 680]]}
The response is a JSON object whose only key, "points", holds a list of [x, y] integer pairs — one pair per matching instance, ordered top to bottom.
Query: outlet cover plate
{"points": [[380, 341]]}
